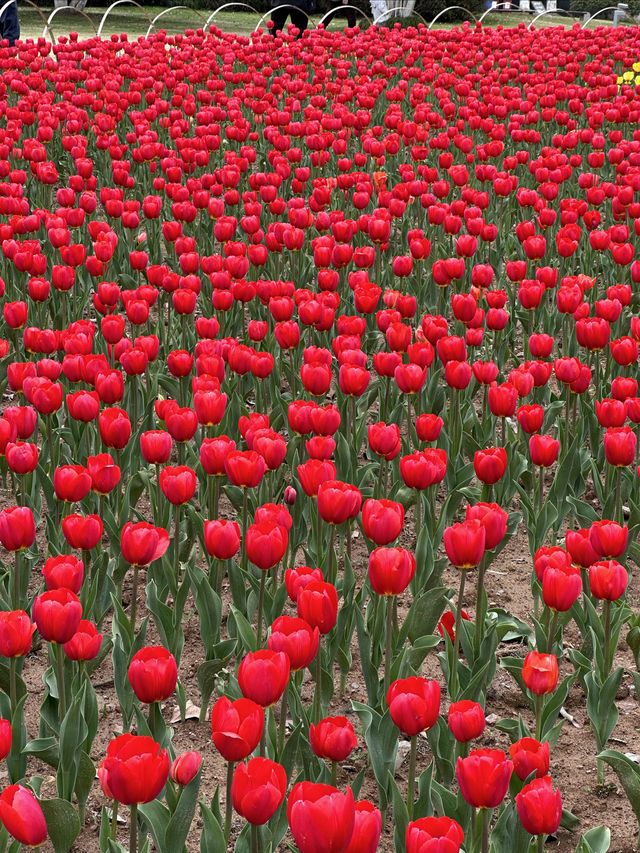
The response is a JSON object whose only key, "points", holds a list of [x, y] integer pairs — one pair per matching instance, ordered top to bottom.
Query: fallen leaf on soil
{"points": [[192, 712]]}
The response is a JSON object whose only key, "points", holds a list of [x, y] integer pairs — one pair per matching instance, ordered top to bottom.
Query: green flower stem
{"points": [[618, 507], [176, 546], [263, 578], [16, 581], [134, 598], [480, 600], [606, 613], [552, 631], [456, 642], [387, 645], [13, 683], [318, 688], [62, 697], [539, 709], [282, 728], [334, 773], [412, 775], [228, 804], [114, 821], [485, 829], [133, 836], [255, 839], [540, 843]]}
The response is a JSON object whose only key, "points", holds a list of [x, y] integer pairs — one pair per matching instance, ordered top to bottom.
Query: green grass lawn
{"points": [[135, 20]]}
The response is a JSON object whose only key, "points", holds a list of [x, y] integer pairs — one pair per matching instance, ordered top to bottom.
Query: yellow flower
{"points": [[636, 66]]}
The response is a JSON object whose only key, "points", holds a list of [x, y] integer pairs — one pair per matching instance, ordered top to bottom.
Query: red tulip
{"points": [[530, 418], [115, 428], [384, 440], [620, 446], [544, 450], [22, 458], [490, 464], [244, 468], [424, 468], [313, 473], [105, 475], [71, 483], [178, 484], [338, 501], [382, 520], [494, 520], [17, 528], [82, 532], [222, 538], [608, 538], [142, 543], [266, 543], [465, 543], [579, 546], [391, 570], [65, 572], [297, 579], [608, 580], [561, 586], [318, 605], [57, 614], [16, 631], [296, 638], [85, 643], [540, 673], [153, 674], [263, 676], [414, 704], [466, 720], [236, 727], [5, 738], [333, 738], [528, 755], [185, 767], [136, 769], [484, 777], [258, 789], [539, 807], [22, 816], [320, 817], [367, 828], [437, 834]]}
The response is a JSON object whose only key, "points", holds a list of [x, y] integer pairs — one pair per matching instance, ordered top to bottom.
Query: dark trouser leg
{"points": [[349, 14], [278, 17], [300, 19], [9, 24]]}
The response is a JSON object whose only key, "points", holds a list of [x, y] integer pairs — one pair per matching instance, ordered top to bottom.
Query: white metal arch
{"points": [[118, 3], [226, 6], [68, 9], [173, 9], [451, 9], [608, 9], [359, 11], [488, 11], [390, 12], [550, 12], [268, 14]]}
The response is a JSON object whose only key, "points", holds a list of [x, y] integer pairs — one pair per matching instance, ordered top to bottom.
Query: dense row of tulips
{"points": [[271, 306]]}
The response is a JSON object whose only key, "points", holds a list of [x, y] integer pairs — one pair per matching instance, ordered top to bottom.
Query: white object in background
{"points": [[379, 11]]}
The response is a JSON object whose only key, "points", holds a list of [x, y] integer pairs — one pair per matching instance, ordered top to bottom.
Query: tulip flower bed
{"points": [[319, 457]]}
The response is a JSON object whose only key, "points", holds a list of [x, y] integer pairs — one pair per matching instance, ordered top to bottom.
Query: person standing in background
{"points": [[336, 9], [299, 11], [9, 24]]}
